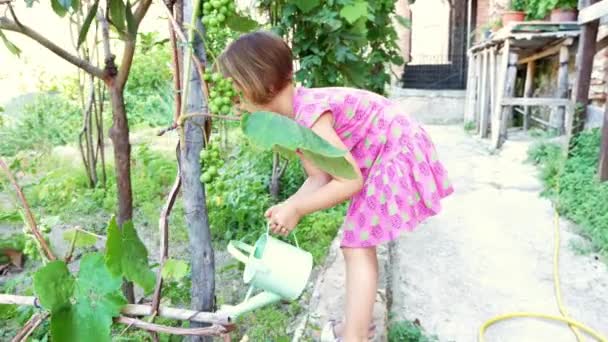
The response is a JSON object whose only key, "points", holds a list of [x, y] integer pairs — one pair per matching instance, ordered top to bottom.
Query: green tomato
{"points": [[224, 2], [216, 3], [207, 6], [232, 7], [224, 10], [221, 18], [213, 21], [207, 76], [216, 77], [213, 93], [226, 100], [218, 102], [213, 108], [225, 109], [205, 154], [212, 170], [206, 178]]}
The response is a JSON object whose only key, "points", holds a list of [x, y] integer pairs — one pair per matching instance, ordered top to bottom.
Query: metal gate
{"points": [[438, 51]]}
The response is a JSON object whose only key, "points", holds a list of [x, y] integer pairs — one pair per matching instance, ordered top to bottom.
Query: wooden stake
{"points": [[528, 91], [471, 98], [484, 98], [558, 115]]}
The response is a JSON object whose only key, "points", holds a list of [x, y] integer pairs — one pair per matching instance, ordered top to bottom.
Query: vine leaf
{"points": [[306, 5], [59, 8], [355, 11], [117, 14], [405, 22], [239, 23], [82, 35], [9, 45], [269, 130], [82, 239], [126, 255], [174, 269], [81, 309]]}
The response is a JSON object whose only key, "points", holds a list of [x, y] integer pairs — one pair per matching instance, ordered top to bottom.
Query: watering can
{"points": [[279, 269]]}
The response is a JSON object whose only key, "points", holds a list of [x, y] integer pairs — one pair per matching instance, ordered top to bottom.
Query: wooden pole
{"points": [[584, 67], [478, 68], [501, 88], [493, 90], [528, 91], [484, 98], [507, 111], [469, 113], [557, 116], [603, 167], [140, 310]]}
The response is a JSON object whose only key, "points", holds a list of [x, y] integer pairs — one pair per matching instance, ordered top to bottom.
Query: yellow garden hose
{"points": [[565, 318]]}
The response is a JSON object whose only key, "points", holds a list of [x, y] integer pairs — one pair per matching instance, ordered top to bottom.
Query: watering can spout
{"points": [[250, 304]]}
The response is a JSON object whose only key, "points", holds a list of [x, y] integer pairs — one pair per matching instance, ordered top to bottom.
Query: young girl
{"points": [[399, 180]]}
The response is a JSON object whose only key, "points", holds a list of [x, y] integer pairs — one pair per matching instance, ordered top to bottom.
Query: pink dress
{"points": [[404, 180]]}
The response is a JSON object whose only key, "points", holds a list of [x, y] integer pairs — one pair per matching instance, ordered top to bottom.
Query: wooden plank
{"points": [[593, 12], [601, 44], [550, 51], [584, 67], [502, 77], [492, 78], [529, 90], [484, 98], [471, 99], [535, 101], [507, 111], [558, 115], [603, 167]]}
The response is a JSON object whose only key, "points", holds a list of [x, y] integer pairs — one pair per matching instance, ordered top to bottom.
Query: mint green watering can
{"points": [[279, 269]]}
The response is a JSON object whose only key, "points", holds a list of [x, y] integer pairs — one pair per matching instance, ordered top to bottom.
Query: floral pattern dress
{"points": [[404, 179]]}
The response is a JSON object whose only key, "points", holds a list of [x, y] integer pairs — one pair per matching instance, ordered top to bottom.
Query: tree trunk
{"points": [[119, 133], [195, 207]]}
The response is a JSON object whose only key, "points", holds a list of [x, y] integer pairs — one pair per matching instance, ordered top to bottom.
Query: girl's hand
{"points": [[283, 218]]}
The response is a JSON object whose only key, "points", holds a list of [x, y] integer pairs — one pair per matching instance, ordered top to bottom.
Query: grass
{"points": [[576, 190], [406, 331]]}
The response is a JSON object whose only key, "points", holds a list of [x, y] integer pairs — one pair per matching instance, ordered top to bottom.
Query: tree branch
{"points": [[9, 25], [129, 50], [28, 213], [30, 326], [214, 330]]}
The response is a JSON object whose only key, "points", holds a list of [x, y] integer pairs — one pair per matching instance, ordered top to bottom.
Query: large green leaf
{"points": [[305, 5], [59, 8], [355, 11], [118, 14], [131, 23], [239, 23], [82, 35], [9, 45], [273, 131], [82, 239], [126, 255], [175, 269], [54, 285], [81, 309]]}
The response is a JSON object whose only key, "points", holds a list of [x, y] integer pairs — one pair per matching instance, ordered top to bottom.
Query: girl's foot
{"points": [[332, 332]]}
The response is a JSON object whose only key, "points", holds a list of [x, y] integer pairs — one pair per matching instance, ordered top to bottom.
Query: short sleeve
{"points": [[310, 105]]}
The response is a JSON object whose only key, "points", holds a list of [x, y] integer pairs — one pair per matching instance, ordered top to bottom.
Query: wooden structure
{"points": [[590, 13], [492, 73]]}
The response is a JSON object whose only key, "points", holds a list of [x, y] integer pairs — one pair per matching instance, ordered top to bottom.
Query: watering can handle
{"points": [[292, 233], [236, 247]]}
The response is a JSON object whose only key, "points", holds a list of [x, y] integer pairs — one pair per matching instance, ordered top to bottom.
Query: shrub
{"points": [[577, 191]]}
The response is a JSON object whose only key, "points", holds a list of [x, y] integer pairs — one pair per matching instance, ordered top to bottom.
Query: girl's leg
{"points": [[361, 286]]}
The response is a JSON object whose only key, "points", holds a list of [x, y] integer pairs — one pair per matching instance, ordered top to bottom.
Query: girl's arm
{"points": [[334, 190]]}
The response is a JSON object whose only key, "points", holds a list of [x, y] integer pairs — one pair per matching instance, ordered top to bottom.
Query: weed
{"points": [[406, 331]]}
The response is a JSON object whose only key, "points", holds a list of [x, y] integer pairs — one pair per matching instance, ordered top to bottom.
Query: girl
{"points": [[399, 180]]}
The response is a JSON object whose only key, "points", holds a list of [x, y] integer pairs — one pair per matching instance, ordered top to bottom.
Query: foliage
{"points": [[519, 5], [539, 9], [340, 42], [148, 92], [50, 120], [290, 138], [577, 192], [80, 239], [127, 255], [174, 269], [81, 308], [269, 324], [406, 331]]}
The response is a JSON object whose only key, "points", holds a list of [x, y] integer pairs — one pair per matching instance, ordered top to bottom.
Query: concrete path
{"points": [[490, 253]]}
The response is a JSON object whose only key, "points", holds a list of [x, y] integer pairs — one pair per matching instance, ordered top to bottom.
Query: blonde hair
{"points": [[260, 64]]}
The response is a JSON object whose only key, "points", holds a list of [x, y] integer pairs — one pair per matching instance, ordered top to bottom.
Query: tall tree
{"points": [[126, 21]]}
